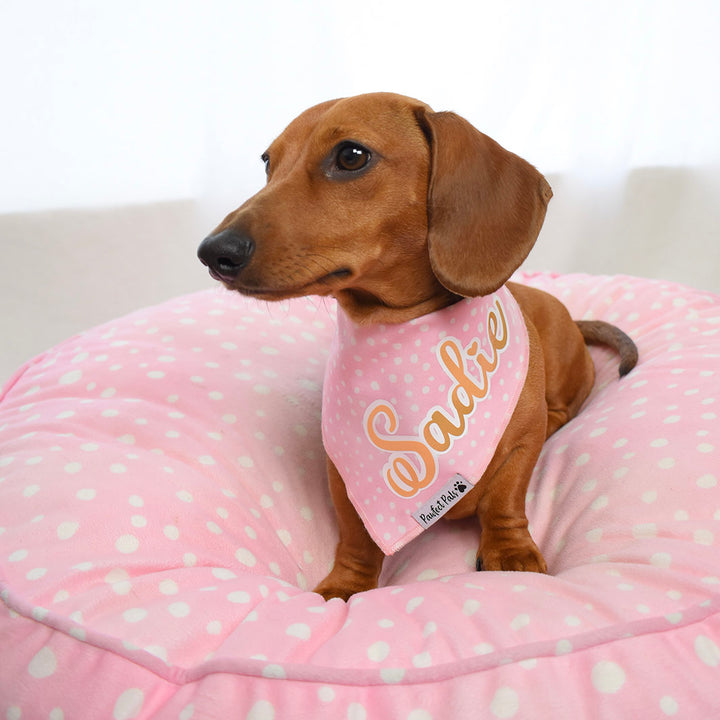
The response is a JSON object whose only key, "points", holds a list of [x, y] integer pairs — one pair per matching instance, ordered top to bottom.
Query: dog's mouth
{"points": [[323, 285]]}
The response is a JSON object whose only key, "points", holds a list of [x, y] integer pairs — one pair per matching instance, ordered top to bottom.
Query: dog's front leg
{"points": [[505, 541], [358, 560]]}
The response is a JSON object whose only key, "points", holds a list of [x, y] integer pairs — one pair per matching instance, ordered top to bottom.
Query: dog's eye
{"points": [[352, 157], [266, 159]]}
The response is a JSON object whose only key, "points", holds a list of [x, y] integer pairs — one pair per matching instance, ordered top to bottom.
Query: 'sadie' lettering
{"points": [[412, 465], [403, 476]]}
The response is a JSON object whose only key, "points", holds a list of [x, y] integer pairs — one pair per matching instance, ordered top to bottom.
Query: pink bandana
{"points": [[412, 413]]}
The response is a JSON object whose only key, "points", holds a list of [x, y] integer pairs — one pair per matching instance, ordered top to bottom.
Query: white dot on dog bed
{"points": [[70, 377], [659, 442], [707, 481], [67, 529], [644, 530], [703, 537], [127, 544], [244, 556], [661, 560], [36, 573], [168, 587], [414, 603], [179, 609], [134, 615], [520, 621], [214, 627], [301, 631], [563, 647], [378, 651], [707, 651], [43, 664], [274, 671], [608, 677], [505, 703], [129, 704], [669, 705], [261, 710], [356, 711], [419, 714]]}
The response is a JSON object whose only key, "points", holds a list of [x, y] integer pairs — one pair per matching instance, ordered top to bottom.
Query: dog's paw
{"points": [[526, 558], [343, 586], [328, 592]]}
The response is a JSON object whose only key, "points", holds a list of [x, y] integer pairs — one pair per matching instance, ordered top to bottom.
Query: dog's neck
{"points": [[366, 308]]}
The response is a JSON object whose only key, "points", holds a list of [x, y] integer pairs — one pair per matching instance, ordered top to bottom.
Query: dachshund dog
{"points": [[413, 220]]}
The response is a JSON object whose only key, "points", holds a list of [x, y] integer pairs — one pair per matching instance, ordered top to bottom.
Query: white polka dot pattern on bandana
{"points": [[164, 514]]}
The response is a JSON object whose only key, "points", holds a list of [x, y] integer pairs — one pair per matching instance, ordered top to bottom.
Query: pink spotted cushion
{"points": [[164, 516]]}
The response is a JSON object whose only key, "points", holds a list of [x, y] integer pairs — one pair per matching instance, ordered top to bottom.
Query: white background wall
{"points": [[129, 128]]}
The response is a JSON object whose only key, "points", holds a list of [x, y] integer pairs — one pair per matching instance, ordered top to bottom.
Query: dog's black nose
{"points": [[226, 253]]}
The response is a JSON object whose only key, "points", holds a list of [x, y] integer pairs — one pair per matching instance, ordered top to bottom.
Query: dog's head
{"points": [[390, 207]]}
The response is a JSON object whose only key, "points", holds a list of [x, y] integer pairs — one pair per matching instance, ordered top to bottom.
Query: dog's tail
{"points": [[597, 332]]}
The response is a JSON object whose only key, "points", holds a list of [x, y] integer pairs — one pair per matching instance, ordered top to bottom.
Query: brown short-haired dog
{"points": [[398, 211]]}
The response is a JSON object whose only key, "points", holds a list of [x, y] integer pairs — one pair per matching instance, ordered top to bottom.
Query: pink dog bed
{"points": [[164, 517]]}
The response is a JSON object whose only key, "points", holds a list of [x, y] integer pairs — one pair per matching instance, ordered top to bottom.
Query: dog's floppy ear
{"points": [[485, 205]]}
